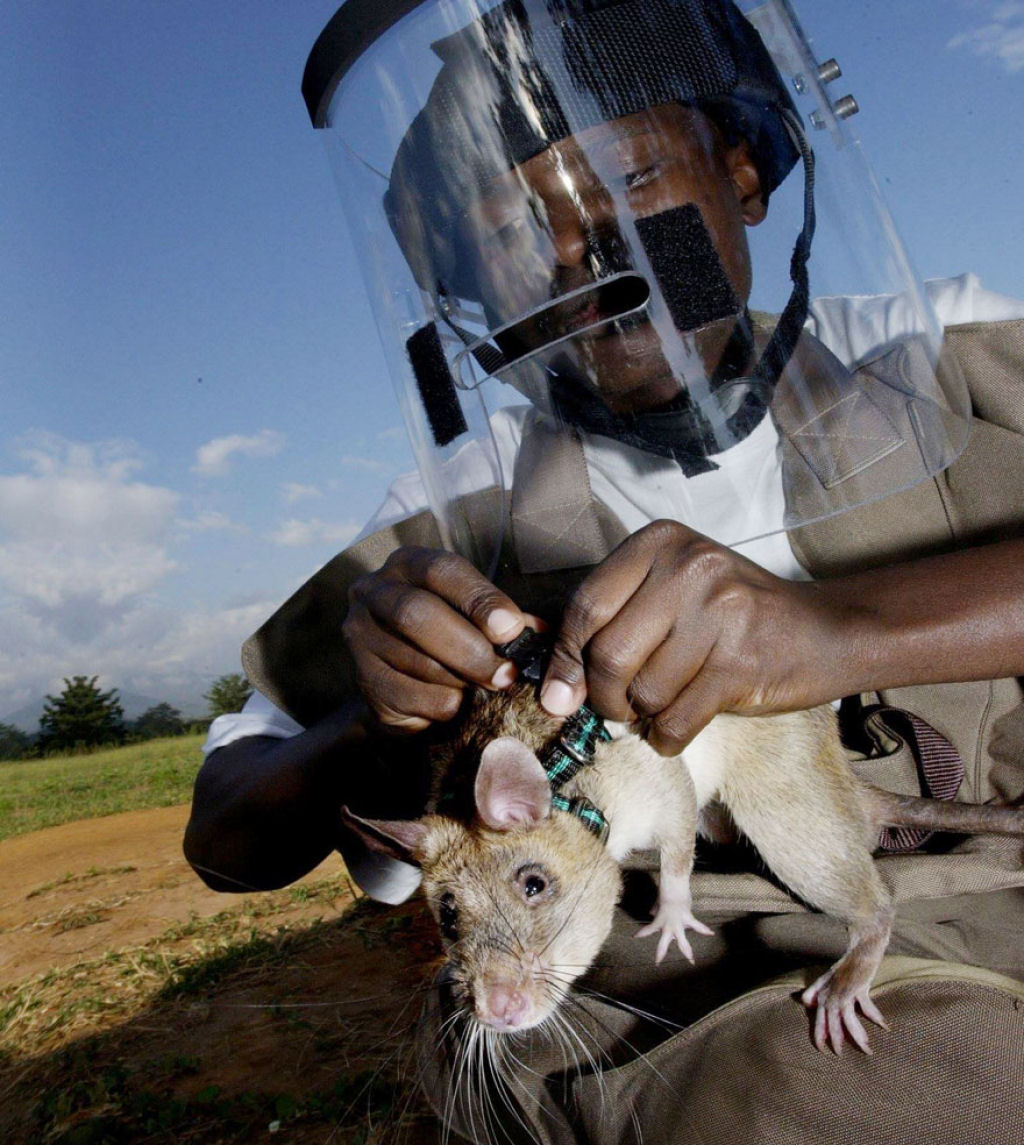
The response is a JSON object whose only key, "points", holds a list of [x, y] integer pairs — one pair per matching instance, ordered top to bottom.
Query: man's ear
{"points": [[747, 182], [511, 788], [402, 839]]}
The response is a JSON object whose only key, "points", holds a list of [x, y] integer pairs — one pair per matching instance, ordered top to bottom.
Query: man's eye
{"points": [[636, 179], [448, 916]]}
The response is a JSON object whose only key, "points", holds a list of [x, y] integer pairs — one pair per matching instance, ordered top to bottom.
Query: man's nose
{"points": [[580, 223], [571, 242], [600, 248]]}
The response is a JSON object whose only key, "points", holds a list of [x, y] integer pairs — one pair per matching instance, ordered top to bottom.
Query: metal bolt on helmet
{"points": [[602, 221]]}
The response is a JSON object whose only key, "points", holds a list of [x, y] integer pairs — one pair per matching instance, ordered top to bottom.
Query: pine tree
{"points": [[228, 694], [81, 715], [159, 720]]}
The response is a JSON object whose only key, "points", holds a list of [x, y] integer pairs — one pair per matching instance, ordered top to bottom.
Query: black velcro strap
{"points": [[683, 259], [436, 385], [530, 652]]}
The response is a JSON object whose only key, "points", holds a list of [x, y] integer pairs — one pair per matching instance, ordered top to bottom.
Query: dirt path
{"points": [[75, 891]]}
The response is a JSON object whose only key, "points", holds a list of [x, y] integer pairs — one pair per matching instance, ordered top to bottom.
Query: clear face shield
{"points": [[631, 232]]}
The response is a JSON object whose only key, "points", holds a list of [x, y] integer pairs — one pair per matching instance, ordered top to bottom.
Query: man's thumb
{"points": [[565, 685]]}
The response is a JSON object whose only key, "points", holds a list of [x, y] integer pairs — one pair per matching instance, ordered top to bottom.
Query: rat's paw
{"points": [[672, 921], [836, 1016]]}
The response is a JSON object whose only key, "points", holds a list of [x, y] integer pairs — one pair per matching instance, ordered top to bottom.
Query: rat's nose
{"points": [[503, 1006]]}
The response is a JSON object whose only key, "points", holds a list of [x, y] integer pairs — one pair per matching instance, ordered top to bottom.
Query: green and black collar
{"points": [[580, 735], [574, 749]]}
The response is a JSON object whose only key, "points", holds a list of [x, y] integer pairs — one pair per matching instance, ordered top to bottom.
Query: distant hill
{"points": [[27, 718]]}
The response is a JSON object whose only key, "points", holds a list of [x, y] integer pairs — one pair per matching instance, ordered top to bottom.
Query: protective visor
{"points": [[603, 223]]}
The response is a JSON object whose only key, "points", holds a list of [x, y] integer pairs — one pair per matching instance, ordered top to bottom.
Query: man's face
{"points": [[567, 218]]}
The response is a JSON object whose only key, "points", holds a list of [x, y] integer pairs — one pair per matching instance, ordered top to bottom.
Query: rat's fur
{"points": [[525, 895]]}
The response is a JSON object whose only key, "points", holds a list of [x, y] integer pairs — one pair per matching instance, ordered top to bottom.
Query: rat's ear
{"points": [[511, 788], [402, 839]]}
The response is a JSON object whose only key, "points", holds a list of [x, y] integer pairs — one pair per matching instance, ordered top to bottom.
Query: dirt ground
{"points": [[76, 891], [138, 1005]]}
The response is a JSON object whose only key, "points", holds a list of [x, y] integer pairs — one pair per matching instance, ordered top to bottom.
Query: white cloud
{"points": [[1000, 36], [213, 457], [292, 491], [79, 493], [210, 521], [76, 529], [294, 532], [86, 550], [52, 573], [164, 653]]}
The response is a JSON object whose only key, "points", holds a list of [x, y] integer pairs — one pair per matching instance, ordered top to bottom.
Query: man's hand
{"points": [[673, 628], [420, 629]]}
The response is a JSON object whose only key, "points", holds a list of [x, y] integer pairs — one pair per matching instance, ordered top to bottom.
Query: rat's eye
{"points": [[534, 882], [448, 916]]}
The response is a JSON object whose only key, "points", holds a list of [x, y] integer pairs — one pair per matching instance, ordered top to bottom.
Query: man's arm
{"points": [[265, 809]]}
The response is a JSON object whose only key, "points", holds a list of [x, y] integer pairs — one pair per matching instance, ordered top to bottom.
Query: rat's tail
{"points": [[890, 810]]}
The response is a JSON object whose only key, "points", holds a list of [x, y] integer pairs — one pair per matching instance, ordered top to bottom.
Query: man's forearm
{"points": [[942, 619], [265, 810]]}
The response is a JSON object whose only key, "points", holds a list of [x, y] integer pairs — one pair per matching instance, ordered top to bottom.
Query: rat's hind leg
{"points": [[815, 840], [844, 987]]}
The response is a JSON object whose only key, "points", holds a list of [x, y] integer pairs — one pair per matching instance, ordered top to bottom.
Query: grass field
{"points": [[47, 792]]}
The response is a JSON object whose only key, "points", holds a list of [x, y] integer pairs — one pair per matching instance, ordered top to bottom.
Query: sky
{"points": [[194, 409]]}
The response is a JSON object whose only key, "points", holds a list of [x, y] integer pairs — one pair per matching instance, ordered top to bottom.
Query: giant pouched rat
{"points": [[520, 859]]}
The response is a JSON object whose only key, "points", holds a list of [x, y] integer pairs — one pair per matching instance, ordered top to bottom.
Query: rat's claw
{"points": [[672, 923], [665, 945], [871, 1011], [836, 1016], [855, 1028], [836, 1035]]}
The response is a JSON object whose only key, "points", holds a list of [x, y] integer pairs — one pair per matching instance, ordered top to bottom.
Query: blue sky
{"points": [[195, 413]]}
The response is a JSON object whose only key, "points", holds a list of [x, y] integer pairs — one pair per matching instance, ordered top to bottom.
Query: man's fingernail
{"points": [[501, 624], [504, 675], [556, 696]]}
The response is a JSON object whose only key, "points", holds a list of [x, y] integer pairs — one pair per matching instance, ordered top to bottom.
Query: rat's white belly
{"points": [[705, 755], [705, 758]]}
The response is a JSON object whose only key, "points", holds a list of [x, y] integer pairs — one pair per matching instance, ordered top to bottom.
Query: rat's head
{"points": [[523, 895]]}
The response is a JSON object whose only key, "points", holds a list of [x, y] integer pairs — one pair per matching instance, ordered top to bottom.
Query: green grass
{"points": [[47, 792]]}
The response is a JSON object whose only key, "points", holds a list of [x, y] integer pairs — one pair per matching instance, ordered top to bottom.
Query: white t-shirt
{"points": [[640, 488]]}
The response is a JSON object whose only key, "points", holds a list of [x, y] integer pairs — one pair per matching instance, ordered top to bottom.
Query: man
{"points": [[569, 208]]}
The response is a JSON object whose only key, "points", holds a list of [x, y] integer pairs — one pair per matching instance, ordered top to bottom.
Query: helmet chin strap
{"points": [[791, 321], [686, 432]]}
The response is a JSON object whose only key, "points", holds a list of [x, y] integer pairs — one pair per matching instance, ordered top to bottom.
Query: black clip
{"points": [[530, 652]]}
